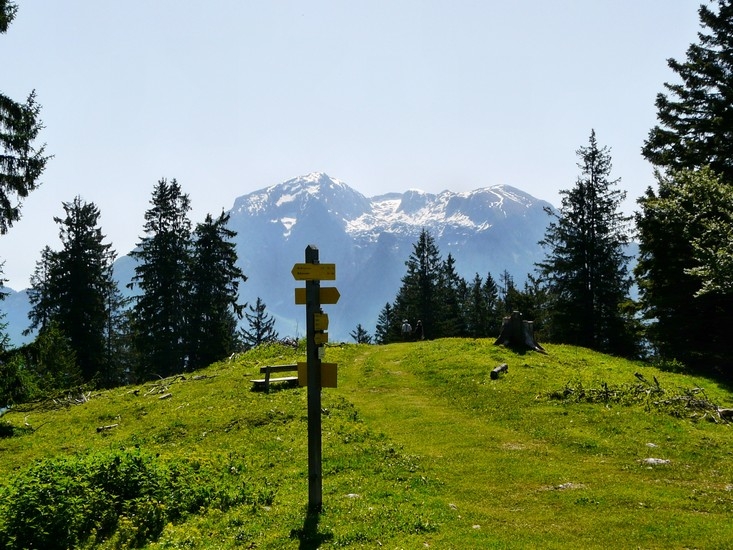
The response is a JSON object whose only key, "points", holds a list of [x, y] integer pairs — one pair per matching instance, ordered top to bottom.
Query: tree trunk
{"points": [[518, 334]]}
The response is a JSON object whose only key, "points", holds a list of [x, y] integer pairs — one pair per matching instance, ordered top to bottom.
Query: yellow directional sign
{"points": [[314, 272], [328, 295], [320, 321], [320, 338], [329, 374]]}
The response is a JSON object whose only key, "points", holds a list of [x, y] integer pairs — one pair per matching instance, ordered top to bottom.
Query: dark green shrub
{"points": [[17, 383], [62, 503]]}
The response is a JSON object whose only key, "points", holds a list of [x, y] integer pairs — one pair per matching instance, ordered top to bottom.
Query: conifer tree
{"points": [[7, 14], [696, 114], [21, 164], [684, 236], [585, 267], [682, 273], [215, 280], [75, 290], [453, 291], [490, 292], [40, 293], [508, 294], [419, 296], [477, 310], [160, 312], [261, 326], [387, 329], [360, 335], [120, 357], [56, 367]]}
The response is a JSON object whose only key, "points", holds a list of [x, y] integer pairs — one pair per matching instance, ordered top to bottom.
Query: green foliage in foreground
{"points": [[421, 448], [61, 503]]}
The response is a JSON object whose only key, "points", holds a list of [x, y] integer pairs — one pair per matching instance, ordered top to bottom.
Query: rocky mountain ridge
{"points": [[487, 230]]}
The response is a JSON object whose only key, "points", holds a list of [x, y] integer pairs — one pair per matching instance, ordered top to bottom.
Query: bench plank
{"points": [[269, 369]]}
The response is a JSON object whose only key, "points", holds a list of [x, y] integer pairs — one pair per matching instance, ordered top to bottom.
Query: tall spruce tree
{"points": [[696, 115], [21, 163], [683, 256], [585, 267], [215, 280], [683, 290], [75, 291], [419, 297], [160, 313]]}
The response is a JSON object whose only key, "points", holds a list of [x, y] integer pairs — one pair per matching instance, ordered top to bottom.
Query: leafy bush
{"points": [[17, 384], [126, 495]]}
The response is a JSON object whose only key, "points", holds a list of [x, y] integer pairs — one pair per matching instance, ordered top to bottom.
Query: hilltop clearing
{"points": [[421, 448]]}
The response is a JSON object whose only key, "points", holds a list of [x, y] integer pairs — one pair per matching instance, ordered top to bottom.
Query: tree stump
{"points": [[518, 334]]}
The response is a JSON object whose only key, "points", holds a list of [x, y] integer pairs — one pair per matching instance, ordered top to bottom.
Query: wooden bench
{"points": [[267, 370]]}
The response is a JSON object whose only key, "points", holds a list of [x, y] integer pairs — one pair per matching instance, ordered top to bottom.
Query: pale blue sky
{"points": [[229, 96]]}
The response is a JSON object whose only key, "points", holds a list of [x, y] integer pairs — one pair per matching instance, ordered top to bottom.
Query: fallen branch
{"points": [[498, 370], [689, 402], [105, 428]]}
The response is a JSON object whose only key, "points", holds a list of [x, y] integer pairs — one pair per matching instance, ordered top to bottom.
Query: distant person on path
{"points": [[406, 330], [419, 335]]}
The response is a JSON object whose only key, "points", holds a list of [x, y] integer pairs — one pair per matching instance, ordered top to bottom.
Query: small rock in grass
{"points": [[655, 461]]}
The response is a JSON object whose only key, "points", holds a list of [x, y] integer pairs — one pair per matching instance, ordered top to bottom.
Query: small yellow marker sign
{"points": [[314, 272], [320, 321], [320, 338], [329, 374]]}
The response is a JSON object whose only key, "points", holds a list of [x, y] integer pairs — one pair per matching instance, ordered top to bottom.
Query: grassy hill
{"points": [[421, 449]]}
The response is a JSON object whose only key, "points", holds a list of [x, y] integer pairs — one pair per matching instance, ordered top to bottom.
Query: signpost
{"points": [[314, 272], [326, 295], [313, 372]]}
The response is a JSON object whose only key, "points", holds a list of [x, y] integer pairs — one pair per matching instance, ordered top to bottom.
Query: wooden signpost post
{"points": [[317, 374]]}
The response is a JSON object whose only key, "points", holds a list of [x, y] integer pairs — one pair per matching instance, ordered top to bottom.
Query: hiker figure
{"points": [[406, 330], [419, 335]]}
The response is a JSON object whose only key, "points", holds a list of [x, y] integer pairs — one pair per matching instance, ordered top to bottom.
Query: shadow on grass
{"points": [[275, 387], [309, 536]]}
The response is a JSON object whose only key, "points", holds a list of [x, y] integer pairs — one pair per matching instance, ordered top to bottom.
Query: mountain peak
{"points": [[314, 180], [288, 200]]}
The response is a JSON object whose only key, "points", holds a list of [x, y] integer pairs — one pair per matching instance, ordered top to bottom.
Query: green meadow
{"points": [[422, 448]]}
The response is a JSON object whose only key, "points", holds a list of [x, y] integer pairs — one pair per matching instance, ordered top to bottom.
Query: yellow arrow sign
{"points": [[314, 272], [328, 295], [320, 321], [320, 338], [329, 374]]}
